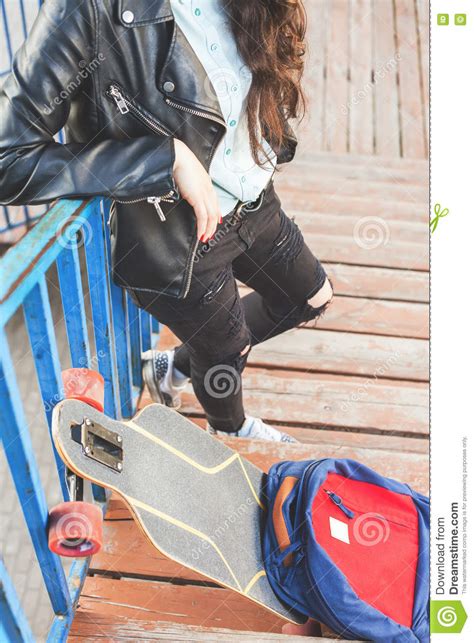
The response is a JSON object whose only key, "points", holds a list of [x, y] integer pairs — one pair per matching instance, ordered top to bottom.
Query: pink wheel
{"points": [[85, 385], [75, 529]]}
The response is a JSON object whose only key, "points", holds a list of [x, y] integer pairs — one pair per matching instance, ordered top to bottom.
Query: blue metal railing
{"points": [[120, 331]]}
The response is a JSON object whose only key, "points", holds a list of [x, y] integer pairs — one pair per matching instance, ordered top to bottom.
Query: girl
{"points": [[177, 110]]}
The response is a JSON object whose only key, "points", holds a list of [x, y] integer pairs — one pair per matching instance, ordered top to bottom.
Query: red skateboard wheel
{"points": [[85, 385], [75, 529]]}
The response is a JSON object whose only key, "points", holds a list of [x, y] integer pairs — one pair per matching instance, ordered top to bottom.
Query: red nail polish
{"points": [[220, 219]]}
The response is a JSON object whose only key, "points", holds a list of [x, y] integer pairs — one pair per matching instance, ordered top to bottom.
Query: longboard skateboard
{"points": [[196, 500]]}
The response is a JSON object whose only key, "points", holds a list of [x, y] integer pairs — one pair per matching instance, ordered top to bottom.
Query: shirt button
{"points": [[197, 12], [128, 17], [214, 46], [168, 86], [234, 88], [233, 123], [228, 151], [242, 179]]}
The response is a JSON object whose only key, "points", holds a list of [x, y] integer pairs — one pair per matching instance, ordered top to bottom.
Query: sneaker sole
{"points": [[156, 393]]}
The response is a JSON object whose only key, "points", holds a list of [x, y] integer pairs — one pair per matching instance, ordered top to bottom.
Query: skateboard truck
{"points": [[102, 445]]}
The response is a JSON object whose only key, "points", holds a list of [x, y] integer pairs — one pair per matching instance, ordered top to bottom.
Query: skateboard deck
{"points": [[198, 501]]}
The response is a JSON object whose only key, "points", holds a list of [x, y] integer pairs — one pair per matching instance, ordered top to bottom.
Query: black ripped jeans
{"points": [[265, 250]]}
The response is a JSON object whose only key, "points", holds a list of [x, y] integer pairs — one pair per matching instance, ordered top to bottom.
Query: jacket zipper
{"points": [[126, 105], [195, 112], [201, 114]]}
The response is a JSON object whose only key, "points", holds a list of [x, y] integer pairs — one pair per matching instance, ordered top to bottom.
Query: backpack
{"points": [[349, 548]]}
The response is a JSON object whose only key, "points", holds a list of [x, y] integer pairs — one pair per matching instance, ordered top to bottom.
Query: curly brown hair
{"points": [[270, 36]]}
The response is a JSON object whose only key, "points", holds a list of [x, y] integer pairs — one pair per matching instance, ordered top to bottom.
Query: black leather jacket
{"points": [[122, 79]]}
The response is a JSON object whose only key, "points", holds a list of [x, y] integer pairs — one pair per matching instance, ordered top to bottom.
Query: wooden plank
{"points": [[423, 15], [386, 63], [337, 64], [360, 104], [411, 110], [311, 129], [405, 165], [361, 171], [310, 181], [333, 203], [344, 225], [370, 245], [383, 283], [360, 315], [327, 351], [345, 353], [331, 402], [407, 467], [126, 551], [185, 604], [108, 629]]}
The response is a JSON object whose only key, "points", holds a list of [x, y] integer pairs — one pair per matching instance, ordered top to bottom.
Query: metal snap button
{"points": [[128, 17], [168, 86]]}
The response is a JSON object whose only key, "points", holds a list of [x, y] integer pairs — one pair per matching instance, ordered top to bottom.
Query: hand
{"points": [[195, 185]]}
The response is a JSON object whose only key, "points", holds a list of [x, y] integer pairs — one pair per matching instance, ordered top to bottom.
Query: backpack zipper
{"points": [[337, 500]]}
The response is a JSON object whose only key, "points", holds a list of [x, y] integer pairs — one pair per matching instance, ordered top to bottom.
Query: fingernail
{"points": [[220, 219], [201, 238]]}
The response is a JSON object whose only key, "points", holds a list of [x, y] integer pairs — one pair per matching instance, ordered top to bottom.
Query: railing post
{"points": [[40, 327], [24, 470], [13, 624]]}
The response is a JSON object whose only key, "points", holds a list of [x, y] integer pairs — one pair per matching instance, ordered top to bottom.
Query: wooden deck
{"points": [[356, 385], [353, 386]]}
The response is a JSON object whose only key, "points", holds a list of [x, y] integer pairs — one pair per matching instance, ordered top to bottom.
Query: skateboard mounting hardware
{"points": [[102, 445]]}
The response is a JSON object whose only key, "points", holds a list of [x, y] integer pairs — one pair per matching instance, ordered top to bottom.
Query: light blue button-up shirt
{"points": [[233, 171]]}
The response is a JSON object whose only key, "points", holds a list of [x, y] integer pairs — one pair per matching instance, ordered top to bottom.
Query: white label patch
{"points": [[339, 530]]}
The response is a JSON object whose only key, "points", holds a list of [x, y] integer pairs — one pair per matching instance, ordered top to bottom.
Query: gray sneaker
{"points": [[157, 368], [256, 429]]}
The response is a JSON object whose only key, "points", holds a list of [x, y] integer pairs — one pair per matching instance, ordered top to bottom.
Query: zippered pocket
{"points": [[127, 105]]}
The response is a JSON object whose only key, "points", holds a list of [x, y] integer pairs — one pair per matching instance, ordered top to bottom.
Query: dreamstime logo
{"points": [[86, 69], [222, 83], [371, 232], [69, 235], [222, 381], [76, 528], [370, 529], [446, 616]]}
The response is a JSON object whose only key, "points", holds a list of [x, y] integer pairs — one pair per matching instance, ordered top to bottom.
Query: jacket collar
{"points": [[137, 13]]}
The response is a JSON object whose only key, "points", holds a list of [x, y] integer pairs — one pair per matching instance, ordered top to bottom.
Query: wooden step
{"points": [[416, 165], [359, 170], [307, 180], [331, 203], [354, 226], [384, 252], [379, 283], [372, 316], [345, 353], [331, 402], [184, 604], [112, 628]]}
